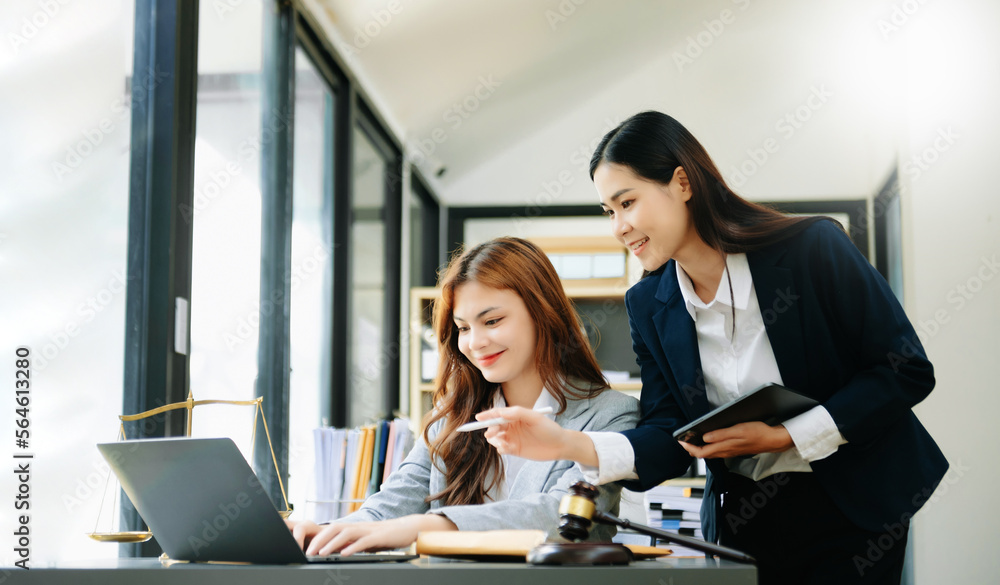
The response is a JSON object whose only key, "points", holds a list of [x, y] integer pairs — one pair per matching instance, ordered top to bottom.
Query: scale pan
{"points": [[121, 536]]}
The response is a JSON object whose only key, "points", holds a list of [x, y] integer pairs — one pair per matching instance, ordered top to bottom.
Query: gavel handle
{"points": [[695, 543]]}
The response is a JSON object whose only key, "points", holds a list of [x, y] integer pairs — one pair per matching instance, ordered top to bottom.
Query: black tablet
{"points": [[770, 404]]}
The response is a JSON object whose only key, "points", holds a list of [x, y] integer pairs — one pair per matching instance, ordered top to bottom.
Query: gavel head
{"points": [[576, 511]]}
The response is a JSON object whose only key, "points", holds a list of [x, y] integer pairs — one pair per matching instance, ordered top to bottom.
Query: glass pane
{"points": [[64, 176], [417, 215], [310, 278], [367, 282], [225, 287]]}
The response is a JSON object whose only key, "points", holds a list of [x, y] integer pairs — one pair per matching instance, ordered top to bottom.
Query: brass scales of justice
{"points": [[189, 404]]}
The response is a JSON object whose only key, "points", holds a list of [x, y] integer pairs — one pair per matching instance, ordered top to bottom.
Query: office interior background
{"points": [[326, 156]]}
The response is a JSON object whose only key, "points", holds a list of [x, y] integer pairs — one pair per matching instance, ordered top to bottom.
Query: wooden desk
{"points": [[424, 571]]}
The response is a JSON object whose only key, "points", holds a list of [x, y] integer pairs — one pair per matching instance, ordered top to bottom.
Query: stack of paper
{"points": [[330, 451], [352, 464], [675, 506]]}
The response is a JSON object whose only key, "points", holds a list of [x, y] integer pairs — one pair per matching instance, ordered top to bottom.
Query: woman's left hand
{"points": [[742, 439], [387, 534]]}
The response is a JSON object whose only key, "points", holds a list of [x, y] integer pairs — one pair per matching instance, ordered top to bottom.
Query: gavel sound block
{"points": [[578, 512]]}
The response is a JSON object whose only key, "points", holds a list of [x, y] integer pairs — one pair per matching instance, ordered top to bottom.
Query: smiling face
{"points": [[652, 220], [496, 333]]}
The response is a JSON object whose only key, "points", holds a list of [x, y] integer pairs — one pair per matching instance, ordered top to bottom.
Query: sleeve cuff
{"points": [[815, 434], [616, 459]]}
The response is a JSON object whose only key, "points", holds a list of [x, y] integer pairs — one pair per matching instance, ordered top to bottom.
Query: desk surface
{"points": [[425, 571]]}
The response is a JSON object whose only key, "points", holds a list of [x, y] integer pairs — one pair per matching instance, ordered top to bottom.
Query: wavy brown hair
{"points": [[563, 357]]}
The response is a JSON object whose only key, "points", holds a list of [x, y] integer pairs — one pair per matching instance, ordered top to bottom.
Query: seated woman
{"points": [[508, 335]]}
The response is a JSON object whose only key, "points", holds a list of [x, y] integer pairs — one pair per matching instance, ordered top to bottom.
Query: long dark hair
{"points": [[653, 145], [563, 357]]}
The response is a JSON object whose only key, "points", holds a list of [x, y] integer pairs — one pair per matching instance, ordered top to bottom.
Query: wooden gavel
{"points": [[578, 511]]}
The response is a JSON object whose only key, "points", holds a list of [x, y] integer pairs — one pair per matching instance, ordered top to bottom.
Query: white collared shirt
{"points": [[732, 366]]}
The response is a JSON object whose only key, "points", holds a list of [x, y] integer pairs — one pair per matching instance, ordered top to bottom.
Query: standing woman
{"points": [[735, 296], [508, 335]]}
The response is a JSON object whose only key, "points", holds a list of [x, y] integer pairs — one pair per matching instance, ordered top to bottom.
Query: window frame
{"points": [[160, 241]]}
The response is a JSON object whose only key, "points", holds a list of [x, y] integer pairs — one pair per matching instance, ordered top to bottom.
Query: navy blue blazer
{"points": [[840, 336]]}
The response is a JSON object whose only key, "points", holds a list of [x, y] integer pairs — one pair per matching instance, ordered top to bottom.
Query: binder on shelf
{"points": [[389, 442], [404, 442], [378, 457], [350, 464], [364, 468]]}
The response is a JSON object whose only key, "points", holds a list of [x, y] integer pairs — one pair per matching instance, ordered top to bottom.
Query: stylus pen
{"points": [[482, 424]]}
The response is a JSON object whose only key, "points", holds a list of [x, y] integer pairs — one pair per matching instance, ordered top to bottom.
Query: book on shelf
{"points": [[378, 456], [352, 464], [350, 469], [364, 469], [678, 491], [673, 503], [654, 514], [676, 525]]}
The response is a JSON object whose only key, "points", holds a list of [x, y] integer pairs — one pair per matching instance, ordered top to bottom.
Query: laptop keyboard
{"points": [[363, 557]]}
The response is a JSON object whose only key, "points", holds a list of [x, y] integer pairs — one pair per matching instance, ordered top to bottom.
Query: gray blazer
{"points": [[533, 501]]}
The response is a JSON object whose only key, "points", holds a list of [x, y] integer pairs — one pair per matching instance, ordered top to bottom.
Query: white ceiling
{"points": [[566, 71]]}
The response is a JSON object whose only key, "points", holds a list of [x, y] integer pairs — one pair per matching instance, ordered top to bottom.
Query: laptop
{"points": [[202, 502]]}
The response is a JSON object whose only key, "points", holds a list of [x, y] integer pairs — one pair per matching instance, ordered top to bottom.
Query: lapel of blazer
{"points": [[781, 310], [676, 332], [534, 474]]}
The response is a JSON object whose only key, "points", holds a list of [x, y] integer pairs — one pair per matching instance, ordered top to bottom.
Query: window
{"points": [[66, 70], [226, 216], [425, 257], [311, 275], [369, 352]]}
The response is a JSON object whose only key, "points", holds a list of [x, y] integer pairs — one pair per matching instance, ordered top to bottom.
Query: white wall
{"points": [[732, 98], [940, 98], [952, 244]]}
